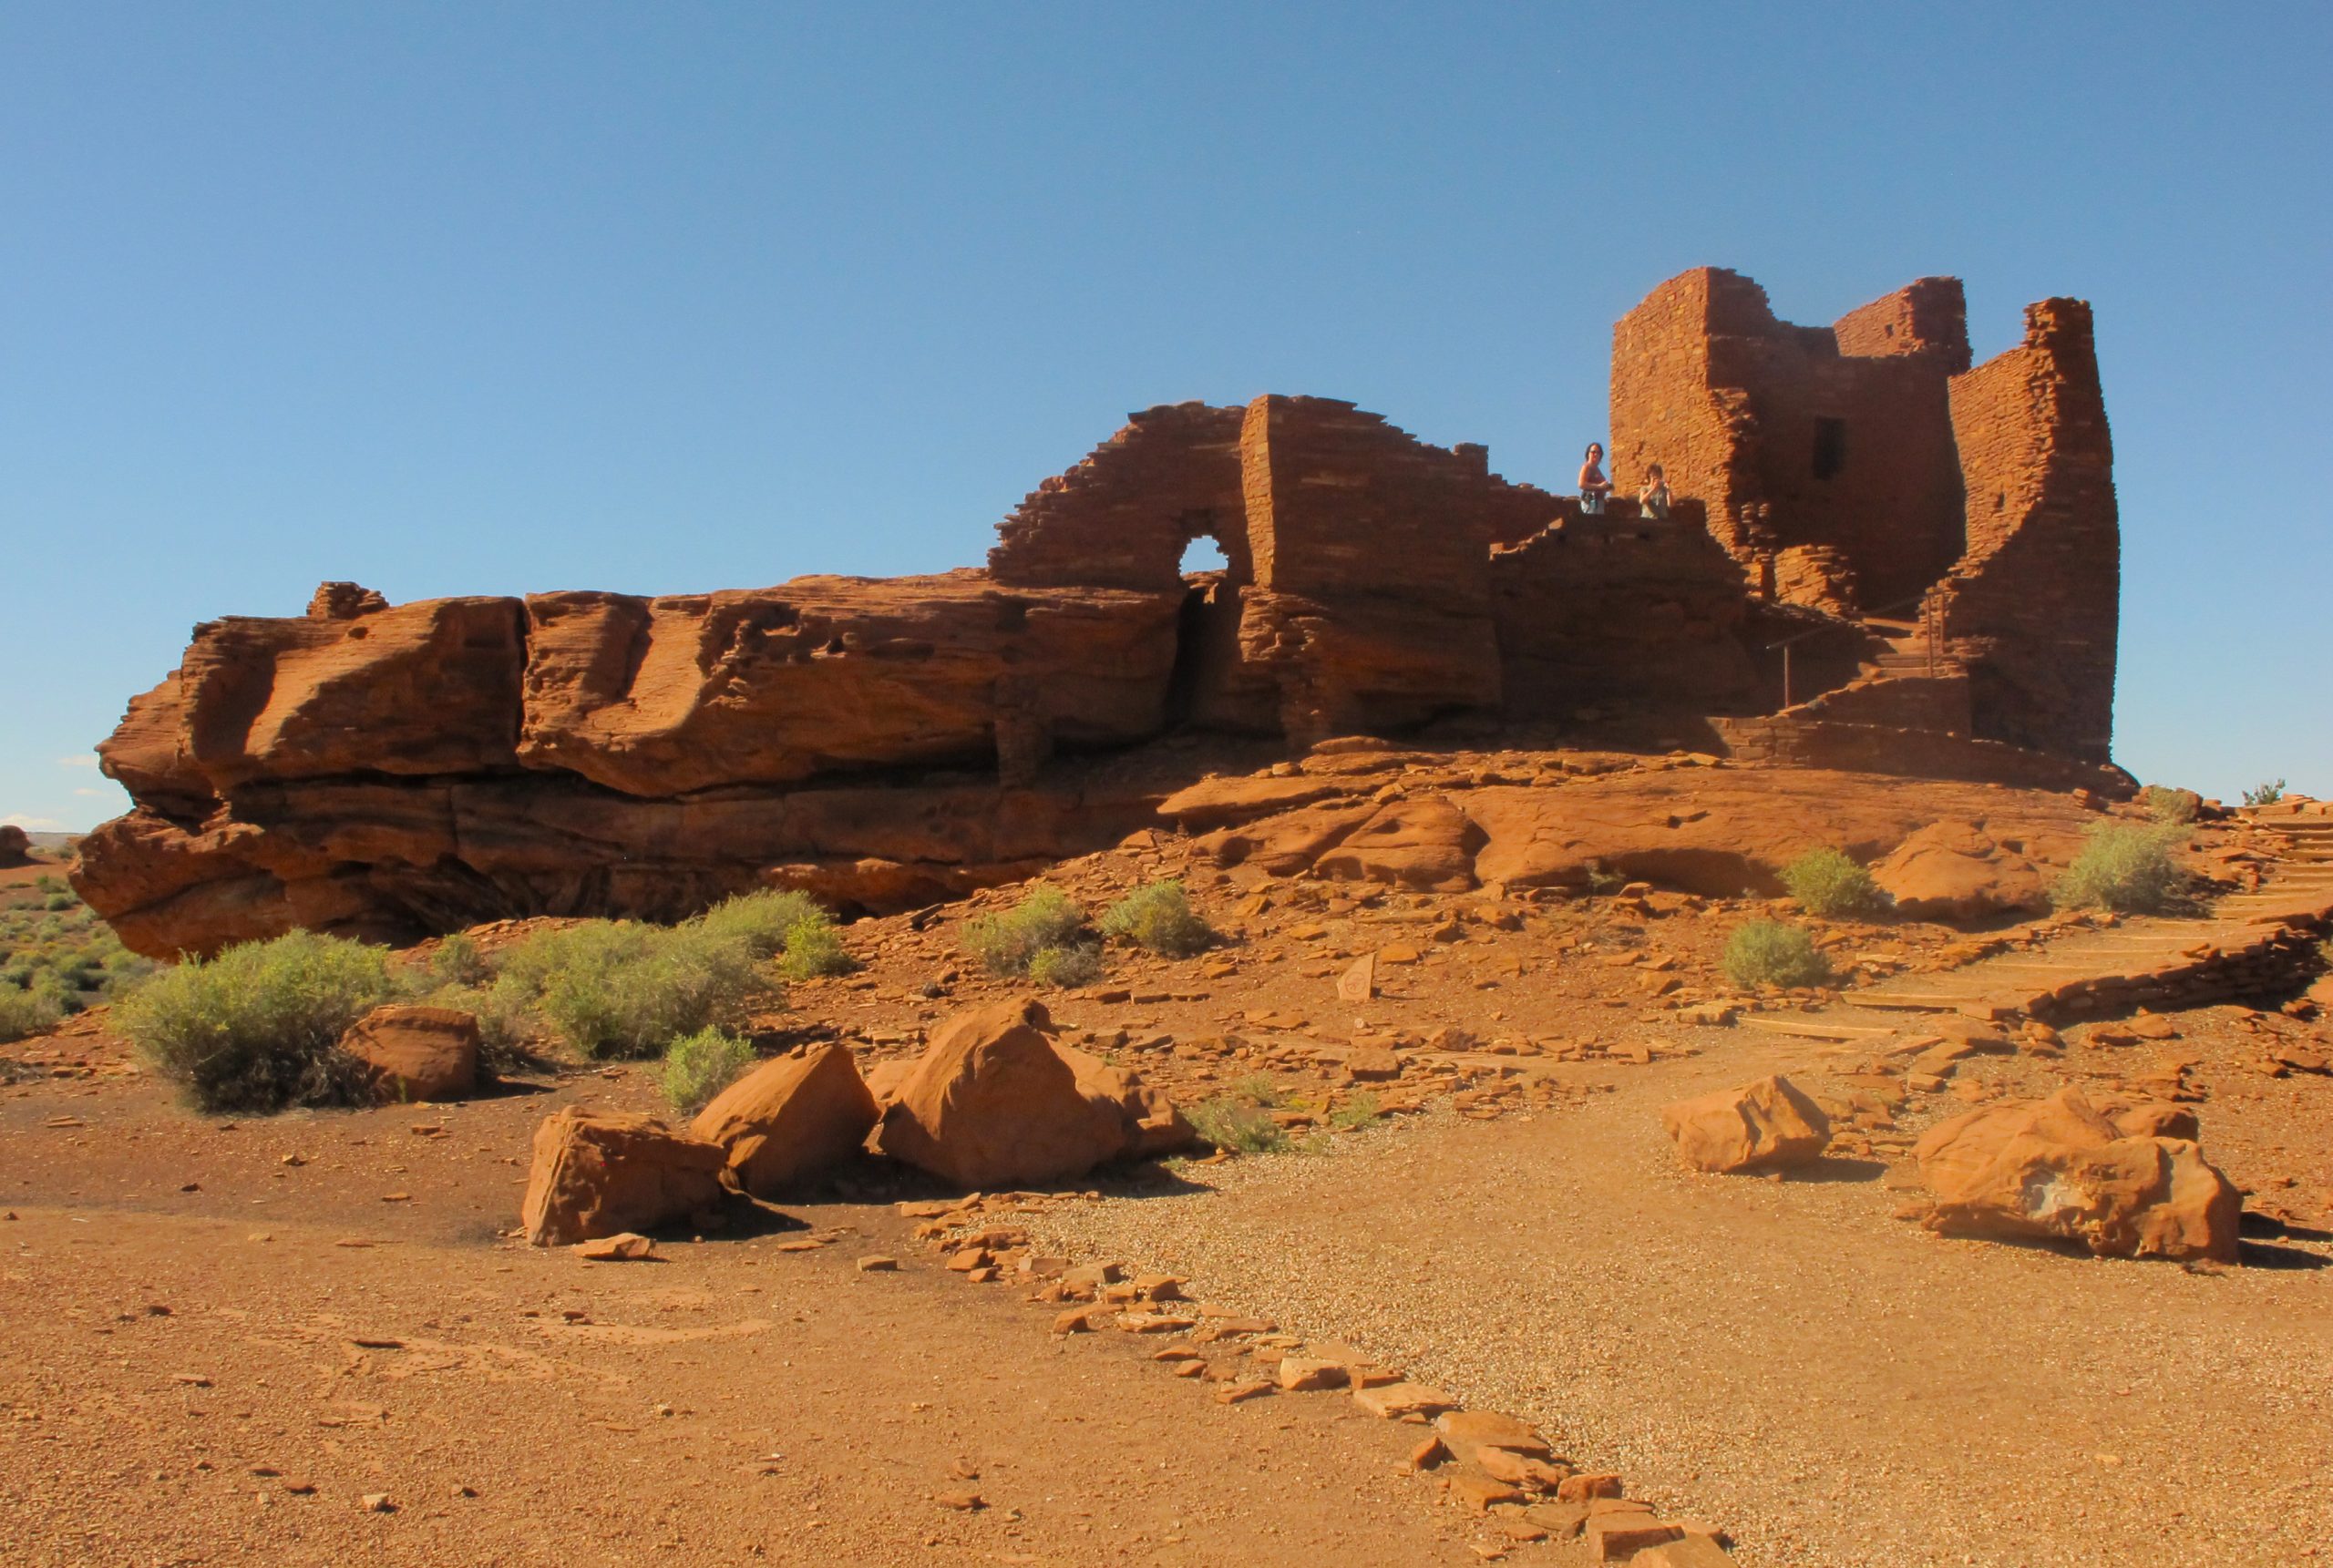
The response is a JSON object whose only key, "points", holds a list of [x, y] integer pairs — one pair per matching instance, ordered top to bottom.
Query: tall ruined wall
{"points": [[1833, 438], [1123, 517], [2033, 609]]}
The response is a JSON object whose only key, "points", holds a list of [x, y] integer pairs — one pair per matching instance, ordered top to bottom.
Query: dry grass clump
{"points": [[1826, 882], [1157, 916], [1046, 920], [1774, 953], [257, 1028]]}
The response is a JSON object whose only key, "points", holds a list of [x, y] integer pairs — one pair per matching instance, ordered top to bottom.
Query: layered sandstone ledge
{"points": [[396, 771]]}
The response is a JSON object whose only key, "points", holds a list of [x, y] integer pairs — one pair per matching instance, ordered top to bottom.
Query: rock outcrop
{"points": [[396, 771], [15, 845], [790, 1119], [1769, 1125], [2061, 1170], [600, 1174]]}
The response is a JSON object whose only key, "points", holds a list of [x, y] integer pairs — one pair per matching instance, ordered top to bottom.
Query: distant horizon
{"points": [[452, 301]]}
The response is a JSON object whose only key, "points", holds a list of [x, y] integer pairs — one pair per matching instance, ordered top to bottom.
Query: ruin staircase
{"points": [[1911, 683]]}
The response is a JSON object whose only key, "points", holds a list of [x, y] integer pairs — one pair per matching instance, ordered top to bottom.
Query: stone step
{"points": [[1909, 1001], [1808, 1028]]}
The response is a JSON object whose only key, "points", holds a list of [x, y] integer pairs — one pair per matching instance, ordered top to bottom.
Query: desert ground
{"points": [[321, 1337]]}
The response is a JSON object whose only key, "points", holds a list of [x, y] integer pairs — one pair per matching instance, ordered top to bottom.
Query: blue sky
{"points": [[498, 298]]}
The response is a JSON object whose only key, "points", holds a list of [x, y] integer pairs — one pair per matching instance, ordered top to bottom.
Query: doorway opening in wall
{"points": [[1830, 446], [1203, 554]]}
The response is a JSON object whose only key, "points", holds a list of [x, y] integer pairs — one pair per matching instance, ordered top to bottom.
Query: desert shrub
{"points": [[2267, 793], [2171, 807], [2124, 868], [1826, 882], [59, 901], [1158, 917], [764, 922], [1006, 941], [814, 947], [1774, 953], [458, 962], [1077, 964], [621, 988], [27, 1012], [258, 1027], [699, 1066], [1255, 1089], [1360, 1109], [1231, 1122]]}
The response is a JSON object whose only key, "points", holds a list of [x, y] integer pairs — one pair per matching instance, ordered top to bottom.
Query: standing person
{"points": [[1593, 485], [1654, 498]]}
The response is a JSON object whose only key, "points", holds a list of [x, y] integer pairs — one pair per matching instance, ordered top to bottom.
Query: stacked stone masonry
{"points": [[393, 771]]}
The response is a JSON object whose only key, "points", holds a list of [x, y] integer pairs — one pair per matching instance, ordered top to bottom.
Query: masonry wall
{"points": [[1836, 437], [1124, 515], [2033, 607]]}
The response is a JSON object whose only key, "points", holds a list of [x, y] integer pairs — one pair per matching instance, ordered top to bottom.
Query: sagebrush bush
{"points": [[2268, 792], [2173, 807], [2124, 868], [1827, 882], [1158, 917], [764, 922], [1006, 941], [814, 947], [1774, 953], [458, 962], [1078, 964], [621, 988], [27, 1012], [257, 1028], [699, 1066], [1360, 1109], [1229, 1122]]}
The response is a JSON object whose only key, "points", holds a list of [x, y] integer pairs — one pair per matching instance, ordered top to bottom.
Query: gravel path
{"points": [[1833, 1386]]}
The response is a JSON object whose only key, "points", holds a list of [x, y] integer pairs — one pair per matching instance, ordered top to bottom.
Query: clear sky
{"points": [[496, 298]]}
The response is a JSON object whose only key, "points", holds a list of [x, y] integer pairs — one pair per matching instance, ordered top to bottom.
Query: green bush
{"points": [[2266, 793], [2174, 807], [2124, 868], [1826, 882], [1158, 917], [764, 922], [1006, 942], [814, 947], [1774, 953], [458, 962], [1076, 965], [621, 988], [27, 1012], [258, 1027], [701, 1065], [1360, 1109], [1229, 1122]]}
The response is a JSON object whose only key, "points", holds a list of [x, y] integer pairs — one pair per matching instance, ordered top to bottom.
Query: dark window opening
{"points": [[1830, 446]]}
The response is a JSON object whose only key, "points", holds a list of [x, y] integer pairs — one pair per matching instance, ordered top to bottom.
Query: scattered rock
{"points": [[1359, 983], [412, 1052], [790, 1119], [1769, 1125], [2058, 1169], [597, 1173], [625, 1246], [879, 1263], [1393, 1400]]}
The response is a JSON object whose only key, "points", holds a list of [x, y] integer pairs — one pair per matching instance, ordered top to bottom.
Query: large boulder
{"points": [[15, 845], [1957, 872], [411, 1052], [992, 1104], [790, 1119], [1152, 1125], [1769, 1125], [2060, 1169], [602, 1172]]}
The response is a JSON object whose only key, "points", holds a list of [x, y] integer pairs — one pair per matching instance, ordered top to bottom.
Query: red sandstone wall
{"points": [[1709, 384], [1123, 517], [2033, 607]]}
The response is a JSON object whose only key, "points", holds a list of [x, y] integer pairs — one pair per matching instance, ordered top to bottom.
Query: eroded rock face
{"points": [[413, 1053], [993, 1103], [791, 1119], [1769, 1125], [2059, 1169], [600, 1173]]}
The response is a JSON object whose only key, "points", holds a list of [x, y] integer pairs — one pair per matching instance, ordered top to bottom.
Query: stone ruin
{"points": [[1879, 558]]}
